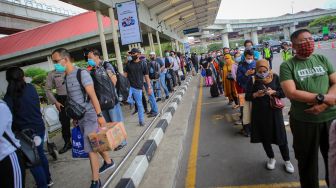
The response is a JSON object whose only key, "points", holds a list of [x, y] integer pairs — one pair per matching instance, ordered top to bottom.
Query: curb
{"points": [[135, 172]]}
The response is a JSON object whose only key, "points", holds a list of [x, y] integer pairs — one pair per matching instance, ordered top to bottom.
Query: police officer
{"points": [[286, 52], [268, 54], [55, 80]]}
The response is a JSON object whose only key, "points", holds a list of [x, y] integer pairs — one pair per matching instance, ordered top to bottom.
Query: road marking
{"points": [[192, 162], [274, 185]]}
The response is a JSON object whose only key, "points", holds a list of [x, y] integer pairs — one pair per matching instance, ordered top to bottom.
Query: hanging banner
{"points": [[129, 25]]}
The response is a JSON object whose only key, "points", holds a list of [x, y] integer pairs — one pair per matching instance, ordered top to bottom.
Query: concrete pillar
{"points": [[292, 29], [286, 33], [101, 35], [247, 36], [254, 36], [225, 40], [116, 41], [151, 42], [159, 43], [173, 45], [177, 45], [129, 47]]}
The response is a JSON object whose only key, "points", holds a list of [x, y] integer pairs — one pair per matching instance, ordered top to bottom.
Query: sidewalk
{"points": [[76, 173]]}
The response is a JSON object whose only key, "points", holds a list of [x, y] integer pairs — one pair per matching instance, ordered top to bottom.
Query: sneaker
{"points": [[167, 97], [159, 99], [135, 111], [147, 112], [238, 123], [142, 124], [121, 146], [66, 147], [271, 164], [106, 167], [289, 167], [51, 183], [95, 184]]}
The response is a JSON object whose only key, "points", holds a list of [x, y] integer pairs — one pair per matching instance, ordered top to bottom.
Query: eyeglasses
{"points": [[305, 40], [57, 61]]}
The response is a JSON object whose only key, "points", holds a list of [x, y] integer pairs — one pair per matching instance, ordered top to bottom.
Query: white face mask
{"points": [[129, 58], [249, 61]]}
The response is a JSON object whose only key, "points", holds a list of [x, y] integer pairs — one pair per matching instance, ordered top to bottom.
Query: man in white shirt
{"points": [[176, 66]]}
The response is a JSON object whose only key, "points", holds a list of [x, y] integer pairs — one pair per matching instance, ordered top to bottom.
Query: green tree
{"points": [[323, 21], [214, 47], [38, 77]]}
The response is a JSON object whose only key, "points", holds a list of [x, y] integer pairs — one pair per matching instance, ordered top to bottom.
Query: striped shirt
{"points": [[74, 90]]}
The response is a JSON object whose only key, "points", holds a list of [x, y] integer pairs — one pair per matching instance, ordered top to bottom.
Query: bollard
{"points": [[333, 44], [319, 45]]}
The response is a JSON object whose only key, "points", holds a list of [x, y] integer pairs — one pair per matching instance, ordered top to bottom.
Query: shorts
{"points": [[88, 124]]}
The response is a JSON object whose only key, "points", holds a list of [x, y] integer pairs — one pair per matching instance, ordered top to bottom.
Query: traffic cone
{"points": [[333, 44], [319, 45]]}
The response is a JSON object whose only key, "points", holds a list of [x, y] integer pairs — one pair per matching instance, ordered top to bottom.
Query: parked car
{"points": [[320, 37], [316, 38], [275, 45], [258, 47]]}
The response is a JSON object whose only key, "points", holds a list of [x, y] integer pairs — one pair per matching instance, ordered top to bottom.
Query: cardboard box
{"points": [[108, 138]]}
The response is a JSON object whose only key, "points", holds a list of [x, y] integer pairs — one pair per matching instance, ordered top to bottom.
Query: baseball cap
{"points": [[134, 50], [152, 53]]}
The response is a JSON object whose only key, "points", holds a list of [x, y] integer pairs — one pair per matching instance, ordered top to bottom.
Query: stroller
{"points": [[53, 125]]}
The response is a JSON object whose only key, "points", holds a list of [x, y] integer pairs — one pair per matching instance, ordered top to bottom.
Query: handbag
{"points": [[230, 76], [276, 103], [72, 108], [78, 144], [28, 149]]}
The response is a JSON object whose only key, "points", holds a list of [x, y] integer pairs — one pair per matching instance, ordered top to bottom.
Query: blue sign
{"points": [[192, 30]]}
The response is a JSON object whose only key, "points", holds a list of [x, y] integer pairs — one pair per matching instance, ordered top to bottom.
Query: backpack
{"points": [[167, 62], [154, 70], [123, 87], [104, 88]]}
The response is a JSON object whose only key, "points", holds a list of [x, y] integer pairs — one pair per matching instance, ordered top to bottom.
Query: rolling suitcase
{"points": [[214, 90]]}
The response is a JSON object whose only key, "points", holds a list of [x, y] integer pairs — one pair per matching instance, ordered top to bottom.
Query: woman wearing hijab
{"points": [[229, 77], [267, 122]]}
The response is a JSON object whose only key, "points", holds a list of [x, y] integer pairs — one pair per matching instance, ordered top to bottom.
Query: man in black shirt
{"points": [[136, 71]]}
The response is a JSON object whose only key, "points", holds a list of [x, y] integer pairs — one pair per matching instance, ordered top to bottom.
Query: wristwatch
{"points": [[319, 98], [100, 114]]}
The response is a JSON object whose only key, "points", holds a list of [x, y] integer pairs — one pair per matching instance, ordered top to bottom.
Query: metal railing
{"points": [[44, 7], [143, 134]]}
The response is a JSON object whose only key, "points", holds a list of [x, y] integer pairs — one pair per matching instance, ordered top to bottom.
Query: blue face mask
{"points": [[129, 58], [238, 59], [91, 63], [59, 68], [262, 75]]}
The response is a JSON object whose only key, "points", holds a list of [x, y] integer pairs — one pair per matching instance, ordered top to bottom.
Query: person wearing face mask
{"points": [[248, 44], [286, 52], [267, 53], [176, 67], [136, 71], [245, 72], [55, 80], [309, 81], [161, 83], [80, 90], [267, 123]]}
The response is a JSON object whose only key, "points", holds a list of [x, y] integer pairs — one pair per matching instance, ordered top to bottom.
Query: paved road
{"points": [[216, 156]]}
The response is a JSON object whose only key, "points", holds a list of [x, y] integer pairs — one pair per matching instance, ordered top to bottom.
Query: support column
{"points": [[292, 29], [286, 33], [101, 35], [247, 36], [254, 36], [225, 40], [116, 41], [151, 42], [159, 43], [177, 45], [173, 46], [129, 47]]}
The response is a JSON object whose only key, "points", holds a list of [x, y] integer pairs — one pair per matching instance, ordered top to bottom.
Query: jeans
{"points": [[196, 68], [163, 84], [156, 88], [137, 95], [152, 101], [114, 114], [41, 173]]}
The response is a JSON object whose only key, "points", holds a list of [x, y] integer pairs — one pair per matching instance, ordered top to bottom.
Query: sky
{"points": [[249, 9]]}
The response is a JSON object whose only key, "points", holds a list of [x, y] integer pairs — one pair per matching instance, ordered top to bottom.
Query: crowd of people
{"points": [[307, 79], [93, 96], [89, 97]]}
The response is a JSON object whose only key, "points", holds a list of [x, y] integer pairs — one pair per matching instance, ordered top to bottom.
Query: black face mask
{"points": [[134, 57], [152, 58]]}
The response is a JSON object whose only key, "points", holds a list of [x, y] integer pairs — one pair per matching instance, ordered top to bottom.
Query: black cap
{"points": [[135, 50]]}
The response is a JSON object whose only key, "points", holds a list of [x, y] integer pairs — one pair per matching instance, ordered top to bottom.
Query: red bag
{"points": [[276, 103]]}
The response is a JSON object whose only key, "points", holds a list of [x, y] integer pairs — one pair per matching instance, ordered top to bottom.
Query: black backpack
{"points": [[167, 62], [154, 70], [123, 87], [104, 88]]}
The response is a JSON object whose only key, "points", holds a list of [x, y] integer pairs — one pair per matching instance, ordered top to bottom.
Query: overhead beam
{"points": [[171, 11]]}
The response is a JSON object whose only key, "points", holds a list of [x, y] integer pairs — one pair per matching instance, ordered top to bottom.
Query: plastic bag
{"points": [[78, 144]]}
